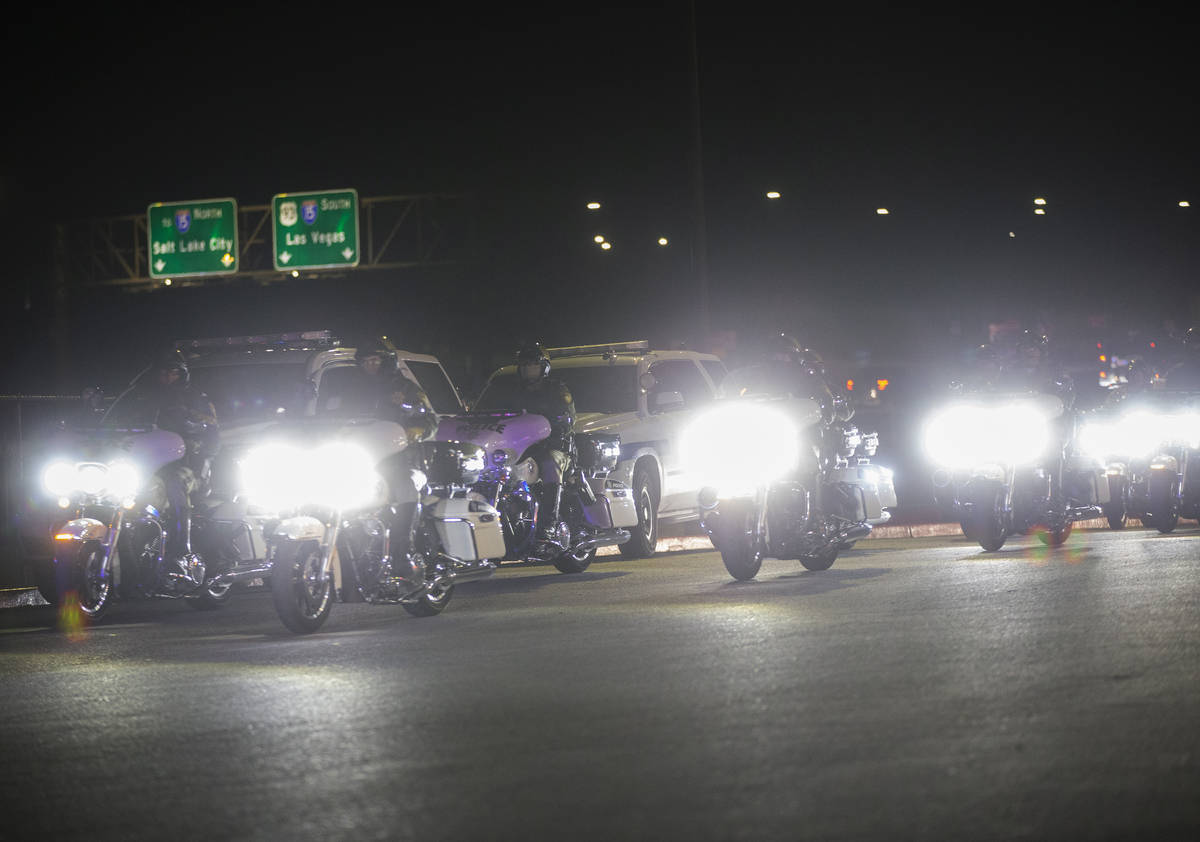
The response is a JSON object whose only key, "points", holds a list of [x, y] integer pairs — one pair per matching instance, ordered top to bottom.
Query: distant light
{"points": [[772, 194], [1039, 201], [1185, 204], [593, 206], [882, 211], [1040, 211], [1012, 233], [599, 238], [662, 241], [606, 246], [295, 274], [167, 282], [1099, 344], [1153, 344], [1104, 358], [1104, 375], [882, 384], [849, 385]]}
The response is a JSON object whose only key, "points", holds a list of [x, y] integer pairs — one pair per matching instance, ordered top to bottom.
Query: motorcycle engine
{"points": [[787, 519]]}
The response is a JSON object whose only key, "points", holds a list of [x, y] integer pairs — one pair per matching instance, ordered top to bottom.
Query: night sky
{"points": [[954, 123]]}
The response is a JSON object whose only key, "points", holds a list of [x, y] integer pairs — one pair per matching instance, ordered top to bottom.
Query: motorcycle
{"points": [[1149, 451], [1012, 466], [782, 481], [595, 511], [330, 533], [113, 540]]}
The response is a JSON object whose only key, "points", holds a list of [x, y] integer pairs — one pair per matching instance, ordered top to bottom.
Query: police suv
{"points": [[648, 398]]}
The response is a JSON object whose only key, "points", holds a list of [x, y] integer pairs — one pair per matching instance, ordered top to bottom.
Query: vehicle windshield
{"points": [[602, 388], [244, 394]]}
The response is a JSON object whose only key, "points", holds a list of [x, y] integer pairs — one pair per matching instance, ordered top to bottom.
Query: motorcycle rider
{"points": [[1030, 368], [789, 369], [537, 393], [391, 396], [178, 406]]}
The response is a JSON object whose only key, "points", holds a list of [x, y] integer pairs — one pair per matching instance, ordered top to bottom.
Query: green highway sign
{"points": [[315, 230], [192, 238]]}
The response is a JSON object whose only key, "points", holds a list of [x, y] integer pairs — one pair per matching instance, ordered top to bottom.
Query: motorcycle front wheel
{"points": [[1163, 509], [1115, 510], [983, 521], [733, 535], [1055, 538], [82, 579], [301, 599]]}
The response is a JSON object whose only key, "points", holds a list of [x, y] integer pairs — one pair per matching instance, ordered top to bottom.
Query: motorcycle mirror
{"points": [[647, 381]]}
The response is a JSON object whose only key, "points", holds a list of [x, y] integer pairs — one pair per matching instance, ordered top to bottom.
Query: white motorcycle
{"points": [[1011, 463], [779, 482], [595, 511], [331, 533]]}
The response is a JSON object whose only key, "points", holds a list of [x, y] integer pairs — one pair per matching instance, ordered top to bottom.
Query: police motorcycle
{"points": [[1149, 448], [1011, 465], [789, 482], [329, 506], [595, 511], [113, 540]]}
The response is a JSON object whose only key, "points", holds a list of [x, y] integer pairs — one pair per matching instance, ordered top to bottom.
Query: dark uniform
{"points": [[789, 371], [537, 393], [393, 397], [181, 408]]}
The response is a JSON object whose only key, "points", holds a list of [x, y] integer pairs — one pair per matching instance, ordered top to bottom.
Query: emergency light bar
{"points": [[297, 339], [613, 347]]}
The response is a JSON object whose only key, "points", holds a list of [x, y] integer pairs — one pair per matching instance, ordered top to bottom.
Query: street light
{"points": [[772, 194], [1039, 201], [1185, 204], [593, 206], [882, 211], [1040, 211], [599, 238], [662, 241], [606, 246]]}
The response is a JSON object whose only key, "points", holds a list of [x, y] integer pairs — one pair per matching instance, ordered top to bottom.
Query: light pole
{"points": [[699, 243]]}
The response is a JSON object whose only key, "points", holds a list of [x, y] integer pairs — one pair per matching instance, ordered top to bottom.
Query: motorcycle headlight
{"points": [[1143, 432], [964, 436], [1101, 440], [739, 447], [336, 475], [59, 479], [124, 479]]}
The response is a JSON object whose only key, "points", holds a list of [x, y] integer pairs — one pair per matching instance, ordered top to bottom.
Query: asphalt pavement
{"points": [[921, 688]]}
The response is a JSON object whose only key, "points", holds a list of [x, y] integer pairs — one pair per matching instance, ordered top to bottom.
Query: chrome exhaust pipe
{"points": [[1084, 513], [854, 533], [618, 536], [463, 571], [242, 574]]}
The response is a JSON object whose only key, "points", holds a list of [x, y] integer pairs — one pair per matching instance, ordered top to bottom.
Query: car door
{"points": [[681, 391]]}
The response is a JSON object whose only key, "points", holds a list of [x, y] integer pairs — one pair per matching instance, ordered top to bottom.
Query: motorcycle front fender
{"points": [[300, 528], [82, 529]]}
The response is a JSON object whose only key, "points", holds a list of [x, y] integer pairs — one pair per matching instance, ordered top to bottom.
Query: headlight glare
{"points": [[740, 446]]}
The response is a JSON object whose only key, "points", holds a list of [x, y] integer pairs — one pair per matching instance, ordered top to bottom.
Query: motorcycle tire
{"points": [[1163, 509], [1115, 510], [984, 522], [643, 538], [1055, 538], [738, 553], [820, 561], [575, 562], [82, 582], [210, 597], [301, 602], [430, 603]]}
